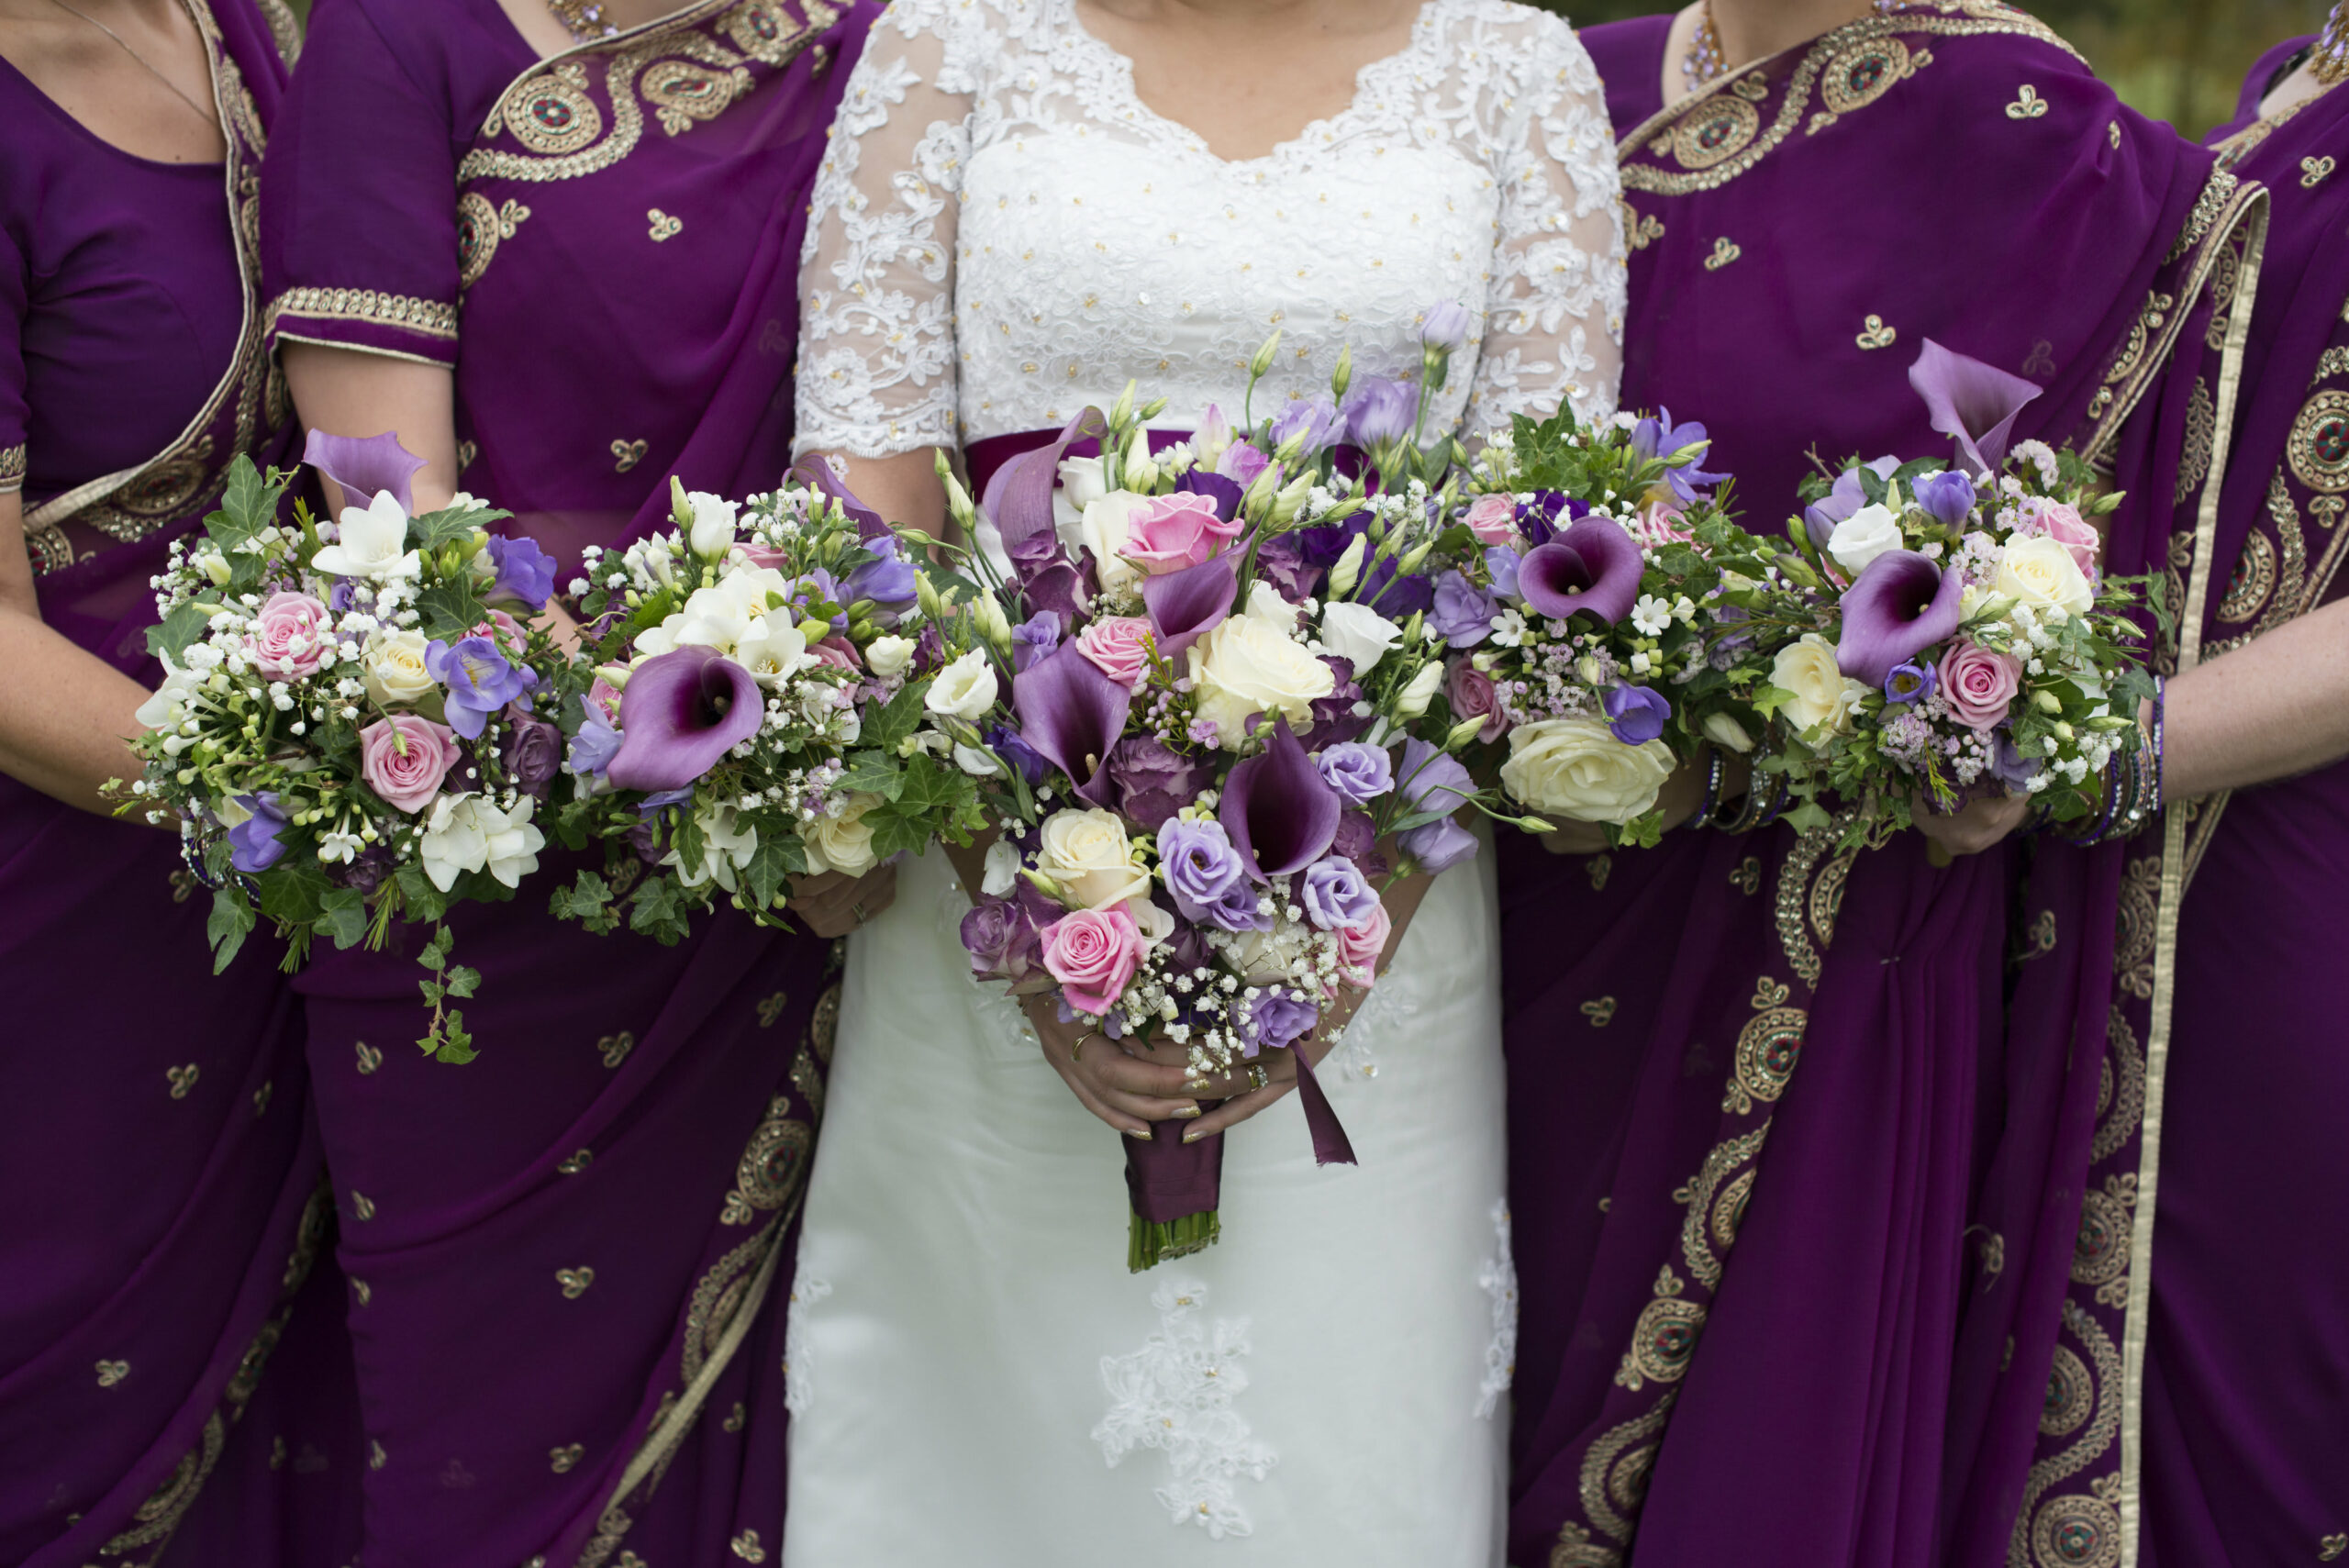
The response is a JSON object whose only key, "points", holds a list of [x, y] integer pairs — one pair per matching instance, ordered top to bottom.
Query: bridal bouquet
{"points": [[1942, 627], [759, 700], [353, 727], [1204, 771]]}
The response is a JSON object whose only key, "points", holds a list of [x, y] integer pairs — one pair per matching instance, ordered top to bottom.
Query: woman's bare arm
{"points": [[346, 393], [2270, 709]]}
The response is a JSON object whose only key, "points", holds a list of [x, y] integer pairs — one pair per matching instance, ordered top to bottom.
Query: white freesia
{"points": [[1080, 481], [1107, 529], [712, 533], [1861, 537], [374, 543], [2040, 572], [1358, 634], [773, 650], [888, 656], [391, 665], [1247, 665], [964, 689], [1824, 698], [1412, 702], [168, 703], [1723, 731], [976, 761], [1575, 768], [468, 832], [843, 842], [728, 845], [1089, 853], [1002, 869], [1155, 925]]}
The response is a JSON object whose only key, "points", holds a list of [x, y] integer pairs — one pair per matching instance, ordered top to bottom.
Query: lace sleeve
{"points": [[876, 280], [1554, 331]]}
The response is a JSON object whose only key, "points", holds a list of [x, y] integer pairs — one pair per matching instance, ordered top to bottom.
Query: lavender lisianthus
{"points": [[1443, 327], [1380, 411], [1312, 418], [1281, 561], [1501, 564], [524, 572], [1462, 615], [1034, 638], [479, 680], [1636, 714], [593, 748], [2009, 766], [1361, 774], [1432, 779], [253, 844], [1201, 866], [1336, 895], [1005, 936], [1275, 1019]]}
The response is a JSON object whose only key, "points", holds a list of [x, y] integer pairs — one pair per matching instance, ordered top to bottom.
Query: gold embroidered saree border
{"points": [[427, 317], [12, 469]]}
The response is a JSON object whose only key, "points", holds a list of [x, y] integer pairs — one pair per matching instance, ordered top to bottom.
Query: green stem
{"points": [[1150, 1242]]}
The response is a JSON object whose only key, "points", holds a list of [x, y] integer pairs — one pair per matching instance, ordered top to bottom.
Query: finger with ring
{"points": [[1076, 1052], [1257, 1075]]}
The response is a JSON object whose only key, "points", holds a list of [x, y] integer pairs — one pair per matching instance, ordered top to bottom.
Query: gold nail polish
{"points": [[1197, 1086], [1186, 1113], [1138, 1134], [1192, 1136]]}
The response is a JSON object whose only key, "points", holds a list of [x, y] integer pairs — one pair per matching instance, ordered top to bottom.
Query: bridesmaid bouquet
{"points": [[1937, 629], [758, 700], [353, 726], [1205, 773]]}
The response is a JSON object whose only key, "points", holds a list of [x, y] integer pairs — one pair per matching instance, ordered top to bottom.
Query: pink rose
{"points": [[1493, 519], [1661, 525], [1170, 532], [2075, 533], [763, 555], [503, 631], [288, 632], [1118, 646], [838, 652], [1978, 684], [1470, 691], [605, 698], [404, 758], [1359, 948], [1092, 953]]}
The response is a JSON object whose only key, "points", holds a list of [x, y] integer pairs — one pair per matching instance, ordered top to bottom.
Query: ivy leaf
{"points": [[184, 626], [900, 719], [874, 772], [772, 864], [292, 892], [420, 900], [587, 901], [661, 909], [342, 914], [228, 926]]}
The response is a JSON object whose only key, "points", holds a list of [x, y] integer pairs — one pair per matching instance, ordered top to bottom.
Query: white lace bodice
{"points": [[1002, 232]]}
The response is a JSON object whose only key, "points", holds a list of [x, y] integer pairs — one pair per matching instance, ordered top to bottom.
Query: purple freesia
{"points": [[1973, 403], [1380, 411], [1661, 438], [364, 466], [1225, 493], [1946, 496], [1821, 517], [1500, 564], [1593, 567], [524, 572], [887, 579], [816, 587], [1187, 604], [1901, 604], [1464, 613], [1034, 639], [480, 678], [1909, 683], [679, 712], [1072, 714], [1636, 714], [1012, 747], [592, 748], [2010, 767], [1361, 774], [1432, 780], [1153, 781], [1280, 816], [253, 844], [1202, 870], [1336, 895], [1275, 1019]]}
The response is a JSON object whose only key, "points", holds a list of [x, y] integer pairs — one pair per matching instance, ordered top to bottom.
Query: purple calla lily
{"points": [[1972, 403], [364, 465], [819, 477], [1020, 495], [1593, 567], [1187, 604], [1902, 605], [680, 714], [1072, 714], [1280, 814]]}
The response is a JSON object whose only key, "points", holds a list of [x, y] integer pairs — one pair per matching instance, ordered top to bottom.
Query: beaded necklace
{"points": [[583, 19]]}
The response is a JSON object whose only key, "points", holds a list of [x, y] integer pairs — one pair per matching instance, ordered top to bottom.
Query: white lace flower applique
{"points": [[1499, 1278], [798, 1353], [1176, 1395]]}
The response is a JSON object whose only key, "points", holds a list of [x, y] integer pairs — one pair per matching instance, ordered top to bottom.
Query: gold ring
{"points": [[856, 912], [1076, 1052], [1258, 1076]]}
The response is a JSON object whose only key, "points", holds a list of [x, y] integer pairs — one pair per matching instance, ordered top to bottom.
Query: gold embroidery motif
{"points": [[1858, 77], [683, 93], [2028, 105], [551, 114], [1715, 132], [2113, 134], [2315, 172], [663, 226], [480, 228], [1639, 230], [1725, 251], [429, 316], [1876, 334], [2042, 359], [2201, 428], [2319, 446], [466, 452], [627, 454], [11, 468], [2292, 562], [2253, 581], [1598, 868], [1746, 875], [1793, 896], [1827, 896], [2039, 936], [772, 1008], [1600, 1012], [824, 1022], [615, 1047], [1768, 1048], [182, 1079], [808, 1079], [262, 1096], [576, 1163], [771, 1166], [1716, 1206], [363, 1208], [2100, 1251], [574, 1282], [363, 1291], [1664, 1339], [112, 1372], [2071, 1395], [736, 1418], [561, 1459], [1603, 1503], [2079, 1529], [2032, 1544], [2332, 1546], [746, 1547], [1575, 1550]]}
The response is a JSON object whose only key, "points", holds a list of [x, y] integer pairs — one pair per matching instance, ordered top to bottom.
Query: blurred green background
{"points": [[2182, 60]]}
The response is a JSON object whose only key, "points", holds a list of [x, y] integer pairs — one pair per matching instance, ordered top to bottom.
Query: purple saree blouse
{"points": [[1758, 1085], [569, 1258], [161, 1356]]}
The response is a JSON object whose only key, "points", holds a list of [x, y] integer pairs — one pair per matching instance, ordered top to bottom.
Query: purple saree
{"points": [[1757, 1086], [571, 1258], [160, 1358]]}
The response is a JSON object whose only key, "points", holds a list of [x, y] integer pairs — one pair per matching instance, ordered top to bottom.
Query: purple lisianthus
{"points": [[1443, 327], [1380, 411], [1311, 417], [1242, 462], [1226, 493], [1946, 496], [1323, 546], [1281, 561], [1500, 562], [524, 572], [887, 579], [1048, 579], [1391, 593], [339, 596], [1463, 612], [1034, 638], [480, 678], [1909, 683], [1636, 714], [1335, 722], [1012, 747], [593, 748], [533, 752], [2010, 767], [1359, 772], [1432, 779], [1153, 782], [1357, 840], [253, 844], [366, 869], [1336, 895], [1005, 936], [1275, 1019]]}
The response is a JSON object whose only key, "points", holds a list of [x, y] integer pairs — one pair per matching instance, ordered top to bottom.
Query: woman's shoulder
{"points": [[961, 22], [1531, 50], [458, 54]]}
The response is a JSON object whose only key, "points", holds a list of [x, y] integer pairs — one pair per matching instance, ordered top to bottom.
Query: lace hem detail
{"points": [[1499, 1280], [798, 1353], [1175, 1395]]}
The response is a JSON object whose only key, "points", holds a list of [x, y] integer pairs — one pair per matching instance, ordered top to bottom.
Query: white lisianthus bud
{"points": [[1261, 364], [1343, 377], [711, 534], [1348, 571], [1413, 701], [1464, 732]]}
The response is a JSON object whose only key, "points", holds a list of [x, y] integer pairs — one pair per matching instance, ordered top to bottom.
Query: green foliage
{"points": [[231, 921]]}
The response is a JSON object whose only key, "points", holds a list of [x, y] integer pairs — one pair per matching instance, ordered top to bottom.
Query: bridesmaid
{"points": [[162, 1168], [569, 1258], [2206, 1286], [1743, 1353]]}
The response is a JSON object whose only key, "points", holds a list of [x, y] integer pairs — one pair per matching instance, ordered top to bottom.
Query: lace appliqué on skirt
{"points": [[1499, 1278], [798, 1353], [1175, 1395]]}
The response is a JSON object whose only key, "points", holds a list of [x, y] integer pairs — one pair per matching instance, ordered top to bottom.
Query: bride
{"points": [[1025, 204]]}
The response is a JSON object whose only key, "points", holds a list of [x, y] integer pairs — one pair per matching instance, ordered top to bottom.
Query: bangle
{"points": [[2161, 723], [2115, 789], [1778, 801], [1705, 808], [1749, 810]]}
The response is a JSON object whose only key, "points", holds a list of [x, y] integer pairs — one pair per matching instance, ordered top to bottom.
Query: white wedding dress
{"points": [[1001, 234]]}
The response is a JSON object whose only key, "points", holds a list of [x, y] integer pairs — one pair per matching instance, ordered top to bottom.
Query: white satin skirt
{"points": [[977, 1379]]}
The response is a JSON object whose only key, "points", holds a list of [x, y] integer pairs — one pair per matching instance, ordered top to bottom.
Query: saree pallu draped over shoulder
{"points": [[1759, 1085]]}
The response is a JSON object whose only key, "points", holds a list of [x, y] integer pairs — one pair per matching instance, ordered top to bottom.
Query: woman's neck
{"points": [[1752, 29]]}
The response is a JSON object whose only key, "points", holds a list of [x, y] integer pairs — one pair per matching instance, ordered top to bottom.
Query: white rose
{"points": [[1081, 481], [1106, 530], [712, 533], [1861, 537], [374, 543], [2041, 572], [1265, 602], [1358, 633], [773, 650], [888, 656], [391, 664], [1248, 665], [964, 689], [1824, 698], [1413, 701], [1723, 731], [1575, 768], [843, 842], [728, 845], [1088, 853], [1002, 869], [1156, 926]]}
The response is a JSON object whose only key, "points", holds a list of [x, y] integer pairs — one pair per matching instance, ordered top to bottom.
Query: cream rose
{"points": [[1106, 528], [1861, 537], [2041, 572], [1359, 634], [888, 656], [392, 665], [1248, 665], [964, 689], [1823, 696], [1575, 768], [843, 842], [1089, 853]]}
